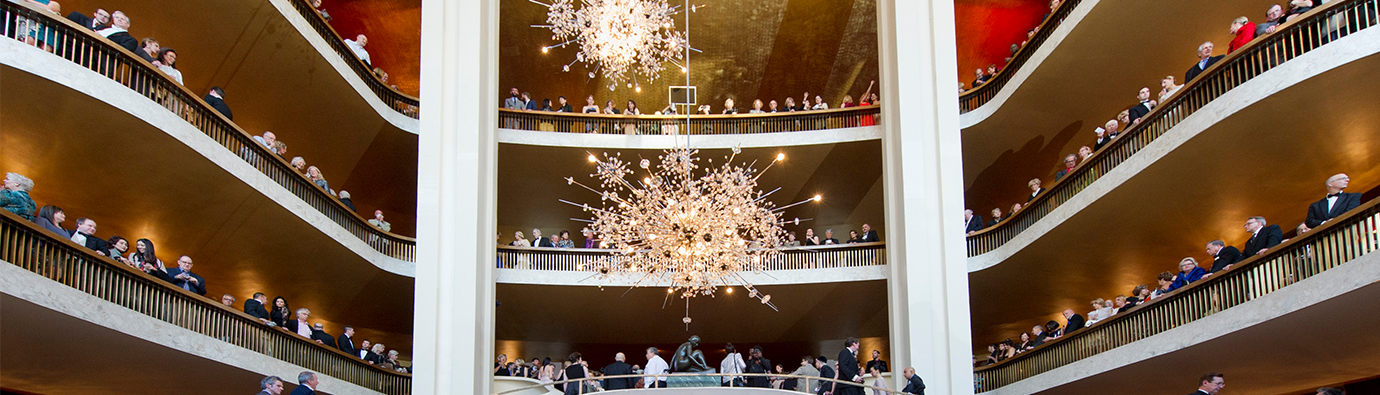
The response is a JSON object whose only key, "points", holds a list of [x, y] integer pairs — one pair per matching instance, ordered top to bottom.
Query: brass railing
{"points": [[1318, 27], [96, 53], [977, 96], [398, 101], [569, 122], [1335, 243], [24, 244], [791, 258], [584, 383]]}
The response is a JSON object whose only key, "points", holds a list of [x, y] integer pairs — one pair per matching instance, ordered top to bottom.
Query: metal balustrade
{"points": [[1314, 29], [94, 52], [977, 96], [398, 101], [568, 122], [1333, 244], [27, 246], [791, 258]]}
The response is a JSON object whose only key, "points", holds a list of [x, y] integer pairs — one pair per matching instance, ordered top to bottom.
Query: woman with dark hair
{"points": [[167, 62], [546, 105], [50, 217], [853, 237], [118, 247], [145, 259], [281, 311], [1052, 328], [1025, 343], [992, 354], [576, 370]]}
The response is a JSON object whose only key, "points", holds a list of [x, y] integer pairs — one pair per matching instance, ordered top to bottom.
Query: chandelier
{"points": [[617, 37], [696, 230]]}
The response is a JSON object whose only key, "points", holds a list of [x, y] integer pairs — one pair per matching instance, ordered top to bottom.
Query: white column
{"points": [[923, 170], [454, 307]]}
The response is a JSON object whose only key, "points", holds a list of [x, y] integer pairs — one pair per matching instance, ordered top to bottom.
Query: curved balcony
{"points": [[1317, 28], [97, 54], [978, 96], [398, 101], [694, 124], [1336, 243], [33, 249], [795, 265]]}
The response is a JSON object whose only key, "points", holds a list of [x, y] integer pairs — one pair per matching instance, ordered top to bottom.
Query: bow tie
{"points": [[1332, 195]]}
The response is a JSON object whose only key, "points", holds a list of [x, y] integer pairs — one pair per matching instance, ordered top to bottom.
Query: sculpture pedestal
{"points": [[688, 380]]}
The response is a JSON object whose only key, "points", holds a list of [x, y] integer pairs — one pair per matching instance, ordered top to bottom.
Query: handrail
{"points": [[1292, 40], [98, 54], [977, 96], [398, 101], [573, 122], [1336, 242], [29, 247], [791, 258], [698, 374]]}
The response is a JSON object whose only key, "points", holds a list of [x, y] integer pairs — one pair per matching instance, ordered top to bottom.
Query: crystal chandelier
{"points": [[617, 37], [696, 230]]}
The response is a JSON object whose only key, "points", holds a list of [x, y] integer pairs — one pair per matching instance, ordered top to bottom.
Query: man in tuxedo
{"points": [[94, 22], [118, 32], [1205, 60], [216, 98], [1142, 107], [1105, 134], [1070, 162], [1333, 205], [971, 223], [85, 233], [868, 235], [1263, 237], [829, 238], [538, 241], [1223, 255], [182, 276], [255, 306], [1075, 321], [300, 325], [318, 333], [346, 341], [364, 352], [877, 362], [619, 367], [848, 369], [825, 371], [1210, 383], [306, 384], [271, 385], [914, 385]]}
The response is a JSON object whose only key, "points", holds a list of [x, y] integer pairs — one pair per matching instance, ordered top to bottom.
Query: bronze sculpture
{"points": [[688, 359]]}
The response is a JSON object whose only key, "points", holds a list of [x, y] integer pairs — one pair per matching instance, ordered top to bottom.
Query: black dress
{"points": [[280, 316], [572, 372]]}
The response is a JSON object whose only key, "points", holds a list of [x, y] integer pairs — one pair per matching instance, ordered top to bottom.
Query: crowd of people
{"points": [[1243, 32], [981, 76], [518, 100], [269, 141], [1264, 236], [591, 240], [142, 255], [759, 372]]}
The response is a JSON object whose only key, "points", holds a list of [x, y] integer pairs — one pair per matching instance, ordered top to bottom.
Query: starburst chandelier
{"points": [[618, 38], [696, 230]]}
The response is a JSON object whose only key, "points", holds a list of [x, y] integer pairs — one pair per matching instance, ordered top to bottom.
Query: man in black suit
{"points": [[96, 22], [118, 32], [1205, 60], [216, 98], [1142, 107], [1334, 204], [971, 223], [85, 233], [868, 235], [1263, 237], [829, 238], [538, 241], [1223, 255], [182, 276], [255, 306], [1075, 321], [318, 333], [346, 341], [365, 352], [877, 362], [757, 364], [619, 367], [848, 369], [825, 371], [306, 384], [1209, 384], [271, 385], [914, 385]]}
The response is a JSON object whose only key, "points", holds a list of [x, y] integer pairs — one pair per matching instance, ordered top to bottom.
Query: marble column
{"points": [[923, 175], [456, 192]]}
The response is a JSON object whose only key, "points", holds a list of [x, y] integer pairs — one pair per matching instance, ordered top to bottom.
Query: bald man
{"points": [[1334, 204], [619, 367]]}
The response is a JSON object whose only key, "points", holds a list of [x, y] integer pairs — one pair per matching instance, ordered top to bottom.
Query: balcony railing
{"points": [[1316, 28], [94, 52], [981, 94], [398, 101], [567, 122], [1335, 243], [24, 244], [791, 258]]}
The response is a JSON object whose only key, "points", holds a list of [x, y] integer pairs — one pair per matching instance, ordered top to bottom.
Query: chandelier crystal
{"points": [[618, 38], [694, 229]]}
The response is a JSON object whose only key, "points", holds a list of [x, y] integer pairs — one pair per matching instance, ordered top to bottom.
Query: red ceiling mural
{"points": [[987, 28]]}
